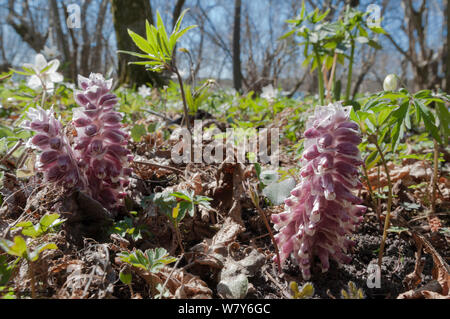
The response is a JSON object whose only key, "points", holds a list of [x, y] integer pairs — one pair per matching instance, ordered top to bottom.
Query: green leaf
{"points": [[180, 19], [161, 28], [379, 30], [179, 34], [287, 35], [141, 43], [375, 44], [139, 55], [23, 73], [398, 117], [444, 119], [428, 120], [137, 132], [371, 160], [183, 196], [186, 207], [48, 220], [17, 248], [34, 255], [126, 278]]}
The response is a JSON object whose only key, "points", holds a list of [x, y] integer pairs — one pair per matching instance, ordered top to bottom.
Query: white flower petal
{"points": [[40, 62], [54, 66], [56, 77], [81, 80], [34, 82], [50, 87]]}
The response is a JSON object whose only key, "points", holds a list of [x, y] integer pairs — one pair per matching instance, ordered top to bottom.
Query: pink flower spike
{"points": [[100, 140], [322, 211]]}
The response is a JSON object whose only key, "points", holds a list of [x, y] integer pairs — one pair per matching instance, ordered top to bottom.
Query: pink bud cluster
{"points": [[99, 154], [56, 158], [322, 210]]}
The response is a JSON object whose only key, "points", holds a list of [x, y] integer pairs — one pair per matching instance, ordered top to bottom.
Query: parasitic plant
{"points": [[100, 144], [56, 158], [98, 161], [322, 210]]}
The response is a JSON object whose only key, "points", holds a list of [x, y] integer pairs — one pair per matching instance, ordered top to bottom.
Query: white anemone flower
{"points": [[50, 52], [45, 73], [390, 82], [144, 91], [269, 93]]}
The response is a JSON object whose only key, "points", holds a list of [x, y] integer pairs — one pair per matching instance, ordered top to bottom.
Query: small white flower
{"points": [[50, 52], [48, 78], [390, 82], [69, 85], [144, 91], [230, 91], [269, 93]]}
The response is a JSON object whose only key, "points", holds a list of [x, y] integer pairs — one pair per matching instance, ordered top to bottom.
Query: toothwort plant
{"points": [[100, 143], [56, 158], [98, 161], [322, 210]]}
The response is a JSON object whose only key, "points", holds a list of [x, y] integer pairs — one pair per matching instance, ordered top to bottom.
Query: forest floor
{"points": [[225, 251]]}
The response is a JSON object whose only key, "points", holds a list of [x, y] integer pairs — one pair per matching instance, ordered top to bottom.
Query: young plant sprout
{"points": [[322, 210]]}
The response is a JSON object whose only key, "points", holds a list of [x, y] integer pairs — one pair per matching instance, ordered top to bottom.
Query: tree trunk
{"points": [[132, 15], [237, 75]]}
